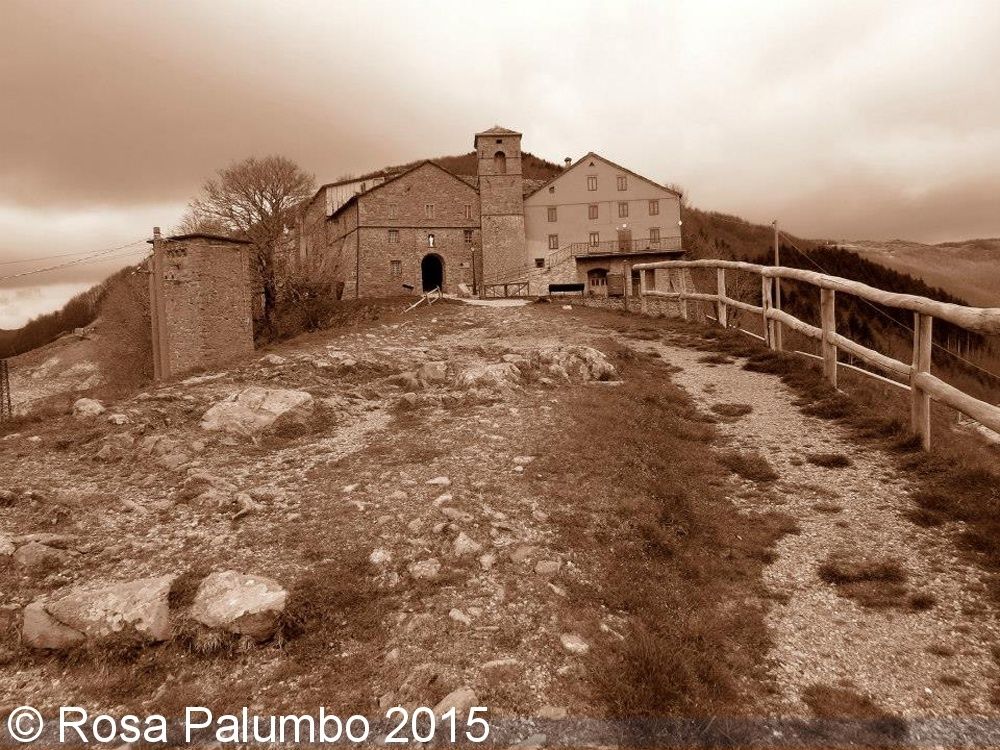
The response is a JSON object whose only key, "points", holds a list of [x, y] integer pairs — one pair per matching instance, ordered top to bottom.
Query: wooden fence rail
{"points": [[923, 385]]}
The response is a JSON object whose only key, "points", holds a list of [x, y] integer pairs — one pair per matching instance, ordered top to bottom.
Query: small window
{"points": [[499, 141], [592, 182], [622, 182], [552, 189], [654, 208], [393, 210], [429, 210], [468, 210], [623, 210], [592, 211], [552, 213], [654, 235], [393, 236], [467, 236], [595, 239], [430, 240], [553, 242], [539, 262], [395, 268]]}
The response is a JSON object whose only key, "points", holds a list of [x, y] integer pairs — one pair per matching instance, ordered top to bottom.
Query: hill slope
{"points": [[969, 269]]}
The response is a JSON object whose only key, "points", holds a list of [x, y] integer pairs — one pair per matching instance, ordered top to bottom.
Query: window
{"points": [[499, 141], [500, 162], [592, 182], [622, 182], [552, 189], [654, 208], [393, 210], [429, 210], [468, 210], [623, 210], [592, 211], [552, 213], [654, 235], [393, 236], [467, 236], [595, 239], [430, 240], [553, 242], [539, 262], [395, 268]]}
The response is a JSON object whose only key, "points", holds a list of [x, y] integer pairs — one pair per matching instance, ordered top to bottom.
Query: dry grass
{"points": [[732, 410], [829, 460], [749, 465], [675, 552], [874, 583], [852, 719]]}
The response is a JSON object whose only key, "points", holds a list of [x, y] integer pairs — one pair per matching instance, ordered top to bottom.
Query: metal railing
{"points": [[626, 246], [496, 291], [923, 386], [6, 408]]}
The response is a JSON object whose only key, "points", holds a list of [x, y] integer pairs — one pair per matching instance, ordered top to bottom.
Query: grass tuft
{"points": [[829, 460], [749, 465]]}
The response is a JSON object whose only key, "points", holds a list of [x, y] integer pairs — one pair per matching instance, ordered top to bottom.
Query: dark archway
{"points": [[432, 272]]}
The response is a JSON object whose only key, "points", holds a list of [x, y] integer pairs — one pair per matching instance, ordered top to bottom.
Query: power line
{"points": [[98, 256], [884, 314]]}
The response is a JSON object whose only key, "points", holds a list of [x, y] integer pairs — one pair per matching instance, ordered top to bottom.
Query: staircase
{"points": [[560, 267]]}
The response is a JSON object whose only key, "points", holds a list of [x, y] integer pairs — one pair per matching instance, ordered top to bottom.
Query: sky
{"points": [[843, 120]]}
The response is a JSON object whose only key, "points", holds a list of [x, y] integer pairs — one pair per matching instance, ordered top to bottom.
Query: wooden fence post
{"points": [[766, 287], [682, 288], [722, 310], [828, 321], [920, 408]]}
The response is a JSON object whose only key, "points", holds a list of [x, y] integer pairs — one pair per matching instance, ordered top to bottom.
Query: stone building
{"points": [[424, 227], [199, 295]]}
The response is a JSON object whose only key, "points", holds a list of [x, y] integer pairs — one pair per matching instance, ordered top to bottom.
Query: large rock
{"points": [[580, 363], [498, 376], [87, 407], [254, 410], [40, 558], [241, 604], [135, 607], [40, 630]]}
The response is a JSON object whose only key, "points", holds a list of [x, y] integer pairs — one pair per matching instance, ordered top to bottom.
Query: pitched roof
{"points": [[497, 130], [592, 155], [395, 177]]}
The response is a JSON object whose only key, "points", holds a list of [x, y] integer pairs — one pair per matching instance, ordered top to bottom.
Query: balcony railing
{"points": [[624, 246]]}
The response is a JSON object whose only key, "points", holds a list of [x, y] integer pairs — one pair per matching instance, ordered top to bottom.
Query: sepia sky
{"points": [[857, 120]]}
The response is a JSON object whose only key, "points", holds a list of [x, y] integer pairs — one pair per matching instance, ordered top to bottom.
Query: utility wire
{"points": [[98, 256], [884, 314]]}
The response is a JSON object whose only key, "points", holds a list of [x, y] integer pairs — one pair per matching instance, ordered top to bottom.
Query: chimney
{"points": [[567, 161]]}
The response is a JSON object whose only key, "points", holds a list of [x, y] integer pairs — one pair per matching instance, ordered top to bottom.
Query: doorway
{"points": [[624, 240], [432, 272]]}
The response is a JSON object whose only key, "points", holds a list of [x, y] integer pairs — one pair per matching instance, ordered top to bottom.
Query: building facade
{"points": [[424, 228]]}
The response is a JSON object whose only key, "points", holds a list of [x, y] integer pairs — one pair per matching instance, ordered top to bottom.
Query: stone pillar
{"points": [[200, 308]]}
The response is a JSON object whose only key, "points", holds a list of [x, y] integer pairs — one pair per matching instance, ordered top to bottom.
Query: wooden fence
{"points": [[923, 386]]}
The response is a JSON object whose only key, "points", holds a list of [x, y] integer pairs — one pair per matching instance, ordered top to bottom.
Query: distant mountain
{"points": [[968, 269]]}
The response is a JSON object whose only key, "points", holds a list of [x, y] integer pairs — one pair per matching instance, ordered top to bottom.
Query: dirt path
{"points": [[933, 663]]}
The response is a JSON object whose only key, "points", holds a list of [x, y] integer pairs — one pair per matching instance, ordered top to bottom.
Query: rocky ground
{"points": [[375, 501]]}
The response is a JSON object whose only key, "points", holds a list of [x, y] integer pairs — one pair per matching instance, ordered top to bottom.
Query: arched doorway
{"points": [[432, 272]]}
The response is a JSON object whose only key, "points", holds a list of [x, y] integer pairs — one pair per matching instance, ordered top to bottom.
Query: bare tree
{"points": [[255, 199]]}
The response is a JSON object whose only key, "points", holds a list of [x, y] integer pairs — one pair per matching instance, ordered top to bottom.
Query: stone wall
{"points": [[502, 194], [400, 207], [200, 302]]}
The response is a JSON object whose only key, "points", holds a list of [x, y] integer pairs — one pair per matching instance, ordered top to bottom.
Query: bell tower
{"points": [[501, 198]]}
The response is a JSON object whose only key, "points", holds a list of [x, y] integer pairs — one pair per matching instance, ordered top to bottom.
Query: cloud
{"points": [[847, 119], [18, 306]]}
